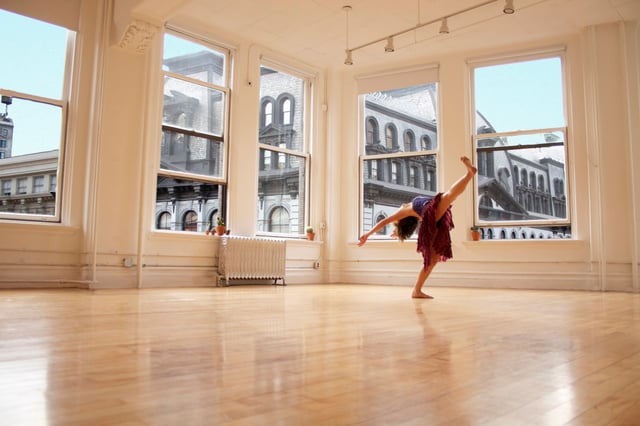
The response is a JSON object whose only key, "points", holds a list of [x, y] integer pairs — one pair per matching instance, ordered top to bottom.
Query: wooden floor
{"points": [[318, 355]]}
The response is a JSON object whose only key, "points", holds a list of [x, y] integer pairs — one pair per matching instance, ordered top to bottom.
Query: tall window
{"points": [[34, 82], [520, 126], [283, 152], [409, 170], [191, 182]]}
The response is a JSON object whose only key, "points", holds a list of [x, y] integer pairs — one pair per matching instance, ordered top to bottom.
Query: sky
{"points": [[36, 67], [516, 96]]}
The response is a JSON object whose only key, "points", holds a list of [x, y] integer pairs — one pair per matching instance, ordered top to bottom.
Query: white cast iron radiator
{"points": [[251, 258]]}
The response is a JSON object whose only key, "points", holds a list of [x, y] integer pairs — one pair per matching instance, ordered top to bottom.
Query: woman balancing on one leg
{"points": [[434, 215]]}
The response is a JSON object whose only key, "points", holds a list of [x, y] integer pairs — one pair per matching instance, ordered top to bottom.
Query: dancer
{"points": [[436, 221]]}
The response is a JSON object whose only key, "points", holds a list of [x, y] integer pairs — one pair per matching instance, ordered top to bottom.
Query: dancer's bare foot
{"points": [[467, 163], [420, 295]]}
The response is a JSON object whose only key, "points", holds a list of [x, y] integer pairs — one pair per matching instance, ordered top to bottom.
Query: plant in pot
{"points": [[220, 228], [475, 233], [310, 234]]}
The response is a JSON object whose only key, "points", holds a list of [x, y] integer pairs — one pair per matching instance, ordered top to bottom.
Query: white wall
{"points": [[109, 188]]}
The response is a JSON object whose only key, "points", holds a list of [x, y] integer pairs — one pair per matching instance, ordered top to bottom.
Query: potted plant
{"points": [[220, 228], [475, 233], [310, 234]]}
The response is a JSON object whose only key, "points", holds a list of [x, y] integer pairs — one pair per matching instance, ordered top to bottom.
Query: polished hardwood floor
{"points": [[318, 355]]}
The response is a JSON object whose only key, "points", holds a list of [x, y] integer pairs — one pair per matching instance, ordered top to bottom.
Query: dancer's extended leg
{"points": [[457, 188]]}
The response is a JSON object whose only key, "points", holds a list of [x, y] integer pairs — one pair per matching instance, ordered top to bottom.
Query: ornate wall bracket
{"points": [[137, 36]]}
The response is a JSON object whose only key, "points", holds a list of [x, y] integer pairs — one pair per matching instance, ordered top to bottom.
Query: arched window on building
{"points": [[286, 110], [266, 114], [372, 131], [391, 136], [409, 141], [425, 142], [532, 179], [524, 181], [541, 186], [279, 220], [164, 221], [190, 221], [382, 231], [503, 235]]}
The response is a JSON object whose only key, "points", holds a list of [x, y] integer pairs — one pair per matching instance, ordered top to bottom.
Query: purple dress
{"points": [[433, 236]]}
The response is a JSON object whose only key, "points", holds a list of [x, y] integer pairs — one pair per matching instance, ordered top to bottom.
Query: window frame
{"points": [[62, 103], [564, 130], [276, 152], [398, 153], [177, 219]]}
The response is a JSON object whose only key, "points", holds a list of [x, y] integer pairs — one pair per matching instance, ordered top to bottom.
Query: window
{"points": [[34, 106], [267, 112], [520, 126], [372, 131], [409, 141], [283, 153], [394, 174], [191, 182], [38, 184], [22, 186], [6, 187], [279, 220], [164, 221]]}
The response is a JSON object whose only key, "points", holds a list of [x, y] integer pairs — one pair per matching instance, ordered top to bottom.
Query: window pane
{"points": [[33, 56], [193, 60], [33, 66], [289, 91], [521, 95], [194, 107], [410, 111], [397, 121], [31, 127], [185, 153], [522, 184], [282, 185], [186, 205]]}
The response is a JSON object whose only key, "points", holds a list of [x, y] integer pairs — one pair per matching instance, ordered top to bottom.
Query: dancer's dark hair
{"points": [[405, 227]]}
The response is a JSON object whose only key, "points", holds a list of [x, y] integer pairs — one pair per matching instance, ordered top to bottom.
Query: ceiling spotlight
{"points": [[508, 7], [444, 28], [389, 47], [348, 60]]}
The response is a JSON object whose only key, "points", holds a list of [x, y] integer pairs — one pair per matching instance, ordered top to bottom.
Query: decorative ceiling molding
{"points": [[138, 36]]}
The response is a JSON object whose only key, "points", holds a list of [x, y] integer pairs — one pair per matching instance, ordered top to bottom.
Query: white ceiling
{"points": [[314, 31]]}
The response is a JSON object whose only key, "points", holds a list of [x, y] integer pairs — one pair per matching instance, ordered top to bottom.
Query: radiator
{"points": [[251, 258]]}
